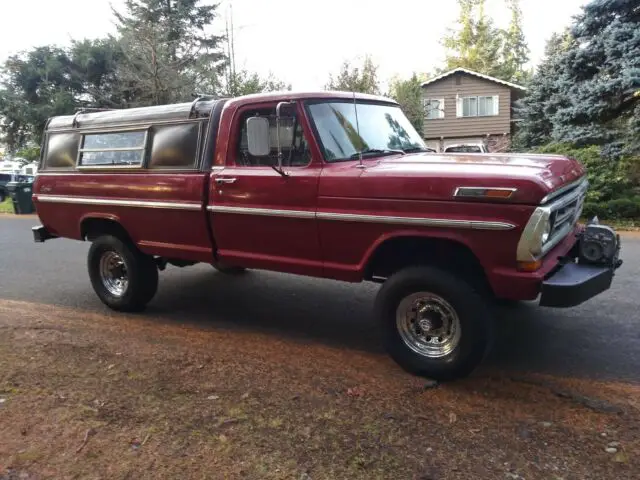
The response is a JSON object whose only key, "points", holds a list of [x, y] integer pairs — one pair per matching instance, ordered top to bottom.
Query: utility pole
{"points": [[231, 72]]}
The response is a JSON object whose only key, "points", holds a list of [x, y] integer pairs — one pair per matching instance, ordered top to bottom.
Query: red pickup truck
{"points": [[325, 184]]}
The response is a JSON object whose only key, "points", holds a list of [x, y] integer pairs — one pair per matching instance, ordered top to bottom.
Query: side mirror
{"points": [[258, 136]]}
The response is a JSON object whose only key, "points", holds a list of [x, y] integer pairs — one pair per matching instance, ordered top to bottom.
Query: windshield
{"points": [[382, 129]]}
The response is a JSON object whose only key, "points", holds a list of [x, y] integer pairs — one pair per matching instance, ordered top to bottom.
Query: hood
{"points": [[433, 176]]}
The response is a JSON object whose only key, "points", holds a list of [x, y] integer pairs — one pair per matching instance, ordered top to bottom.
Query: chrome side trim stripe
{"points": [[117, 203], [265, 212], [268, 212], [351, 217], [424, 222]]}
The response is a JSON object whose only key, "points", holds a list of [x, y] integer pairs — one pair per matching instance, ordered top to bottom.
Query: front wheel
{"points": [[123, 277], [435, 324]]}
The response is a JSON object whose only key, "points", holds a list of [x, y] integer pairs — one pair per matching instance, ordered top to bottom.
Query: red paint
{"points": [[413, 185]]}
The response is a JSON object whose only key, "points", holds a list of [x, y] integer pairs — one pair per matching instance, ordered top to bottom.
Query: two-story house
{"points": [[463, 106]]}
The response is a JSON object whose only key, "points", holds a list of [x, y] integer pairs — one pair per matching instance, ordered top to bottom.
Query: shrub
{"points": [[610, 176], [618, 209]]}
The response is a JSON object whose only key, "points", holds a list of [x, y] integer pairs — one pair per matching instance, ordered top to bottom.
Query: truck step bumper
{"points": [[40, 234], [574, 284]]}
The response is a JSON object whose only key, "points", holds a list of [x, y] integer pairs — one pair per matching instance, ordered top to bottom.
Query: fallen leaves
{"points": [[355, 392], [88, 434]]}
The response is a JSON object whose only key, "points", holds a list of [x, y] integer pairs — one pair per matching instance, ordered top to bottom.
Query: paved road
{"points": [[600, 339]]}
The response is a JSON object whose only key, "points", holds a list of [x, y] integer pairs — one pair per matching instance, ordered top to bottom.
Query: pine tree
{"points": [[477, 44], [516, 50], [167, 54], [600, 77], [363, 79], [408, 93], [544, 96]]}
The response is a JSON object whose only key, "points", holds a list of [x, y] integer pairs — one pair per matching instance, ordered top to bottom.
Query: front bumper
{"points": [[576, 280], [574, 284]]}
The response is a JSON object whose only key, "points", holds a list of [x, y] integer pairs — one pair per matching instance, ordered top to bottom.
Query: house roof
{"points": [[475, 74]]}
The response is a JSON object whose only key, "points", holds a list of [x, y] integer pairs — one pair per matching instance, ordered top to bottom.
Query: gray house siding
{"points": [[453, 127]]}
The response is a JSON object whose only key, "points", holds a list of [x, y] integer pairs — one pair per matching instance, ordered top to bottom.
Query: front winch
{"points": [[599, 245]]}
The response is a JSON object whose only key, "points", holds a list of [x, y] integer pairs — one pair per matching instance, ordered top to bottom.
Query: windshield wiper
{"points": [[418, 149], [379, 151]]}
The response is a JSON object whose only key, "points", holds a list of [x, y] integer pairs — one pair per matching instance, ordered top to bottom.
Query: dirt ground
{"points": [[92, 396]]}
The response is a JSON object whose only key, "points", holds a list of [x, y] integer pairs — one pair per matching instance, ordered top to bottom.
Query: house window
{"points": [[480, 106], [433, 108]]}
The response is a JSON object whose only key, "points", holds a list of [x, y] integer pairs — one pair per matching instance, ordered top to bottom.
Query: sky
{"points": [[299, 41]]}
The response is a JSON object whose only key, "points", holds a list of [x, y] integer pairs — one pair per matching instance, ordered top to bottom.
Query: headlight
{"points": [[546, 233]]}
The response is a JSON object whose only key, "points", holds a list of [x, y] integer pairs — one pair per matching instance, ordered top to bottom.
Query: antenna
{"points": [[355, 108]]}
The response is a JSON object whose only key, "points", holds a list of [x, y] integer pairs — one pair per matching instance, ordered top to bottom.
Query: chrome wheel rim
{"points": [[113, 273], [428, 324]]}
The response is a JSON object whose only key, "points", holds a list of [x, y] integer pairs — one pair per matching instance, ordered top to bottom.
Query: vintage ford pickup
{"points": [[326, 184]]}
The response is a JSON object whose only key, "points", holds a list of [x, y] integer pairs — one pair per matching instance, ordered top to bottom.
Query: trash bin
{"points": [[20, 193]]}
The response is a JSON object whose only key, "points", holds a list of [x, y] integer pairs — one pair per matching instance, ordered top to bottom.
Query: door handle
{"points": [[223, 180]]}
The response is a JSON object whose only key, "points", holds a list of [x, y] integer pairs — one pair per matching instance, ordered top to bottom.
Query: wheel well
{"points": [[92, 228], [398, 253]]}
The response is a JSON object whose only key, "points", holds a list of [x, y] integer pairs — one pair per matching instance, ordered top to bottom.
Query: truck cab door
{"points": [[260, 218]]}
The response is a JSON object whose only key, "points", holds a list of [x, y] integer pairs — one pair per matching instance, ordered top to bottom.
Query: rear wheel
{"points": [[123, 277], [435, 324]]}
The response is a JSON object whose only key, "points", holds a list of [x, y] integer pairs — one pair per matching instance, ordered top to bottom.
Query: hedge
{"points": [[611, 177], [618, 209]]}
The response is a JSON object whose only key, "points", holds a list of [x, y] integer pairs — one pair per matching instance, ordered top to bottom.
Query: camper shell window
{"points": [[170, 137], [175, 146], [113, 149], [62, 150]]}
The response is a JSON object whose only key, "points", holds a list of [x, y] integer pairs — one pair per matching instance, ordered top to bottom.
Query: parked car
{"points": [[466, 148], [4, 179], [330, 185]]}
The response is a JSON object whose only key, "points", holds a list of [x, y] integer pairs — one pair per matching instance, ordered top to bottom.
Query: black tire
{"points": [[230, 270], [142, 274], [475, 322]]}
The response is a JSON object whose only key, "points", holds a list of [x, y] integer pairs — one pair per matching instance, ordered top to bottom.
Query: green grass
{"points": [[6, 206], [620, 225]]}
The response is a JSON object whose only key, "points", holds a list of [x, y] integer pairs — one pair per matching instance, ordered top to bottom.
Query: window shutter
{"points": [[496, 103], [458, 106]]}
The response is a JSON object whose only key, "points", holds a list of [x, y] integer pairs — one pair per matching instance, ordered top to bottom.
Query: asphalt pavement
{"points": [[599, 339]]}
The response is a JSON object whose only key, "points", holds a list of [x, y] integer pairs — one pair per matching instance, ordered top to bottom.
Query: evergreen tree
{"points": [[477, 43], [516, 50], [167, 55], [601, 75], [363, 79], [245, 82], [36, 85], [585, 91], [408, 93], [544, 96]]}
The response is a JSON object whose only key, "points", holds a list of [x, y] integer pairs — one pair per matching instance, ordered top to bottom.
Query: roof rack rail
{"points": [[82, 110]]}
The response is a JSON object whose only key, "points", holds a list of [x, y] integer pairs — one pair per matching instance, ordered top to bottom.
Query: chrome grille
{"points": [[566, 211]]}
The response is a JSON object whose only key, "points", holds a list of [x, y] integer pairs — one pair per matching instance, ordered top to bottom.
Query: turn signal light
{"points": [[498, 193], [529, 266]]}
